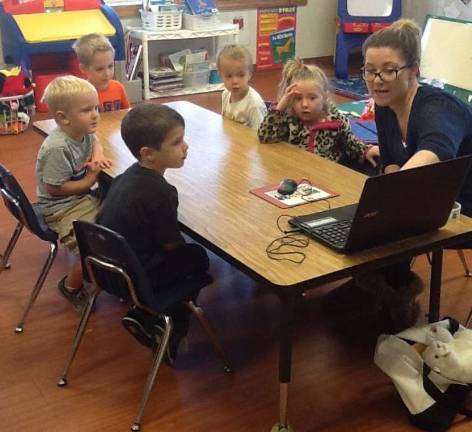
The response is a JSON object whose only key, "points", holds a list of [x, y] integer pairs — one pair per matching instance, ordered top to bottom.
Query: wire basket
{"points": [[160, 21], [201, 22], [15, 113]]}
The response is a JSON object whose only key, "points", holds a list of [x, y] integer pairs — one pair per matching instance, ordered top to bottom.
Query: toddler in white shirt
{"points": [[240, 102]]}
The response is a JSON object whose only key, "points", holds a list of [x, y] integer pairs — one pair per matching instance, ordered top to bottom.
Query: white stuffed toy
{"points": [[450, 355]]}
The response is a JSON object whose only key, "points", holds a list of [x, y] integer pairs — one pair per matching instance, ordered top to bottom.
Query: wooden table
{"points": [[224, 162]]}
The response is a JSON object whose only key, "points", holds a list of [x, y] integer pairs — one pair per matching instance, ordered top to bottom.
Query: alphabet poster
{"points": [[275, 36]]}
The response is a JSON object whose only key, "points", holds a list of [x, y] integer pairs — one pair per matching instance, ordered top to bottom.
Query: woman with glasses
{"points": [[417, 125]]}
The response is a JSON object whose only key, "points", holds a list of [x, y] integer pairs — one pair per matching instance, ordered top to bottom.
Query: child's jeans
{"points": [[187, 261]]}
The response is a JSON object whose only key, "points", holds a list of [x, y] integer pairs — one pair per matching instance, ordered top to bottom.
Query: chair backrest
{"points": [[19, 205], [109, 262]]}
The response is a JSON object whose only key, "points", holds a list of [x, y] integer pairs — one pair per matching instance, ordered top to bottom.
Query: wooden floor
{"points": [[336, 387]]}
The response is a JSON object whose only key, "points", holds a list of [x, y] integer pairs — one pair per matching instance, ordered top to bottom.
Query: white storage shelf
{"points": [[147, 36]]}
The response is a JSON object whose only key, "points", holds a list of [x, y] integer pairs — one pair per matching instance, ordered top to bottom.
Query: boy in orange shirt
{"points": [[97, 61]]}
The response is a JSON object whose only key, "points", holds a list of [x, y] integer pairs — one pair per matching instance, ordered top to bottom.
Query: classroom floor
{"points": [[335, 387]]}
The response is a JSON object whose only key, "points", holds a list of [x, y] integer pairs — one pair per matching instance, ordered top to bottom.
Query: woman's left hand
{"points": [[372, 155]]}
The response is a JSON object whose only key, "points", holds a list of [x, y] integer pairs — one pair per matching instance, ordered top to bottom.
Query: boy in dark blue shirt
{"points": [[142, 206]]}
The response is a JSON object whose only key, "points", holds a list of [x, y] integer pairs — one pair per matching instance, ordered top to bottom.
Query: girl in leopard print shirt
{"points": [[305, 116]]}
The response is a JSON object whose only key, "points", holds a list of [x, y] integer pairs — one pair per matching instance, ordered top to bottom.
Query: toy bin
{"points": [[161, 21], [201, 22], [197, 78], [15, 113]]}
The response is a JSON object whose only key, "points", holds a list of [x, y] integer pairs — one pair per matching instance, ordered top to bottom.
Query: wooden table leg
{"points": [[285, 358]]}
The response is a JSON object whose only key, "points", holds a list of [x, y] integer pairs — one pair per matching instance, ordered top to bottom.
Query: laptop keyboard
{"points": [[335, 233]]}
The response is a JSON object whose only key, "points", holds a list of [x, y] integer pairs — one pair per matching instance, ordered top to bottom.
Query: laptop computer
{"points": [[391, 207]]}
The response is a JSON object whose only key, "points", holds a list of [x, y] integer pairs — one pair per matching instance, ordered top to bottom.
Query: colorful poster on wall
{"points": [[275, 36]]}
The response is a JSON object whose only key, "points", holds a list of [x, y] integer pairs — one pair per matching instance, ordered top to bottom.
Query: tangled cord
{"points": [[274, 249]]}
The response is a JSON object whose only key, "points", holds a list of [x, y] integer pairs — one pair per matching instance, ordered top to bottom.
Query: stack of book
{"points": [[163, 79]]}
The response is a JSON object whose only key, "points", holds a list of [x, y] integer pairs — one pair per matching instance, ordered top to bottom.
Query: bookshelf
{"points": [[146, 37]]}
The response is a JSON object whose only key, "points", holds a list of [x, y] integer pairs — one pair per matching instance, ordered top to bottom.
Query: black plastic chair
{"points": [[28, 215], [111, 265]]}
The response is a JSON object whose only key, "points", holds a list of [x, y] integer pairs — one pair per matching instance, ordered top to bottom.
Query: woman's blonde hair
{"points": [[403, 35], [296, 70], [61, 92]]}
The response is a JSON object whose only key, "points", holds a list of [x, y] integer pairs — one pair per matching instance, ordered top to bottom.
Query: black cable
{"points": [[284, 231], [274, 249]]}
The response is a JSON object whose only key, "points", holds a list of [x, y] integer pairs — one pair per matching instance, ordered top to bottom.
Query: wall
{"points": [[418, 9], [316, 23], [315, 29]]}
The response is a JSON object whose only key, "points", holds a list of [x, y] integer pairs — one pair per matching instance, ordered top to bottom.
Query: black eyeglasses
{"points": [[386, 75]]}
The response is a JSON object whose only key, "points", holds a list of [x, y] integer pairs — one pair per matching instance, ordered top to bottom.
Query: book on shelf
{"points": [[201, 7], [195, 58], [177, 59], [133, 60], [196, 67], [162, 72], [158, 81], [166, 87]]}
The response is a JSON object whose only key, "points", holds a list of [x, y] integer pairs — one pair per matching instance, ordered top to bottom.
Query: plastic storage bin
{"points": [[161, 21], [201, 22], [197, 78], [15, 113]]}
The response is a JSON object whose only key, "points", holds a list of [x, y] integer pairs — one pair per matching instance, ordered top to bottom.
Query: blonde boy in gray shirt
{"points": [[68, 164]]}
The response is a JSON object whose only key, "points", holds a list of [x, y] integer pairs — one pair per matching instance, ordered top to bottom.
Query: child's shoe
{"points": [[78, 297], [139, 331]]}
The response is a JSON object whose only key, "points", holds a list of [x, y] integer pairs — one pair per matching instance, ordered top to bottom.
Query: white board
{"points": [[370, 8], [446, 52]]}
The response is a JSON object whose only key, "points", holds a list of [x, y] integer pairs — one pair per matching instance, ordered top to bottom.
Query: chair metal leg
{"points": [[428, 256], [463, 259], [4, 264], [38, 285], [198, 312], [469, 319], [78, 337], [158, 355]]}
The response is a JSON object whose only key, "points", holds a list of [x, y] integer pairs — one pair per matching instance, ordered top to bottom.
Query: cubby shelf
{"points": [[147, 36]]}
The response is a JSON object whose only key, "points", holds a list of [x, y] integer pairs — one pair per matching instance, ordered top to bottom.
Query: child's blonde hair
{"points": [[403, 35], [88, 45], [235, 52], [296, 70], [61, 92]]}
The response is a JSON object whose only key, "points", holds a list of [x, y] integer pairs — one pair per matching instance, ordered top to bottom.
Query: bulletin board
{"points": [[275, 36], [446, 51]]}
